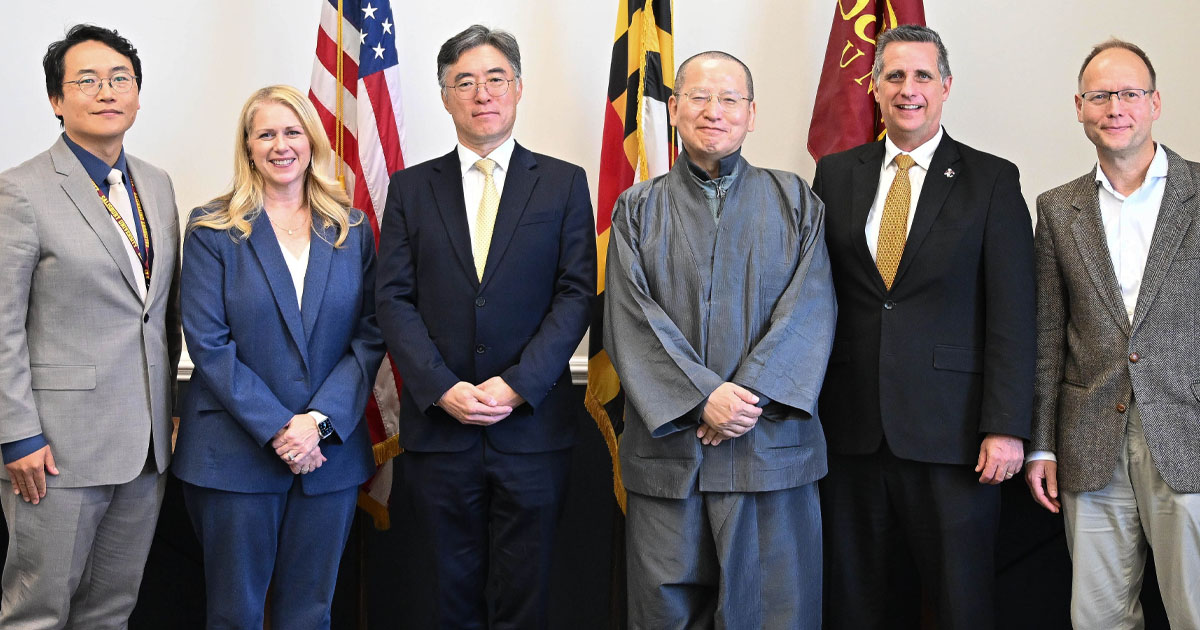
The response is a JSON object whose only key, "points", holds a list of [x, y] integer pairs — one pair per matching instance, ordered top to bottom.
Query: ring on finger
{"points": [[291, 456], [1008, 475]]}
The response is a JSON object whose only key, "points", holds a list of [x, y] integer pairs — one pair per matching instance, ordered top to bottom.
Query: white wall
{"points": [[1014, 66]]}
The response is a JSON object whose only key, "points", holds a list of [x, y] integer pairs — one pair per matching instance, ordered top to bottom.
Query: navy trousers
{"points": [[490, 519], [250, 538]]}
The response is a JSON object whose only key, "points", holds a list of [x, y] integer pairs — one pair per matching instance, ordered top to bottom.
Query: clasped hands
{"points": [[485, 404], [730, 411], [296, 444]]}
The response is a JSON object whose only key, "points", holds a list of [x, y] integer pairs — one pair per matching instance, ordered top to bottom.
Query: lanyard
{"points": [[143, 256]]}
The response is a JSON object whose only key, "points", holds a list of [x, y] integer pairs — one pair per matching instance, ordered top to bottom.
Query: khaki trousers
{"points": [[1108, 532]]}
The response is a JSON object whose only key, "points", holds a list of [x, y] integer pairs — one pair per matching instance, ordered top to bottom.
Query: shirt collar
{"points": [[501, 155], [922, 155], [725, 166], [97, 168], [1158, 168]]}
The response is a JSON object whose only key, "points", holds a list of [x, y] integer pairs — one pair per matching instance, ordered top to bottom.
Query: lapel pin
{"points": [[949, 172]]}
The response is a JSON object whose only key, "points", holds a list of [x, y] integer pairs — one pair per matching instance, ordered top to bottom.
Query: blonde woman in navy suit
{"points": [[278, 289]]}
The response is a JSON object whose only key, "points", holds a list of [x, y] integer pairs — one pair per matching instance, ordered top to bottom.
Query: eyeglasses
{"points": [[90, 84], [495, 86], [1101, 97], [699, 98]]}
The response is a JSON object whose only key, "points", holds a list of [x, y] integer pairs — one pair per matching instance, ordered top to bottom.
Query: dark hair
{"points": [[911, 33], [473, 37], [1124, 45], [715, 54], [55, 65]]}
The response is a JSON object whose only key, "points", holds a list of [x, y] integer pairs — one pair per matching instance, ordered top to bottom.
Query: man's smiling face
{"points": [[910, 92]]}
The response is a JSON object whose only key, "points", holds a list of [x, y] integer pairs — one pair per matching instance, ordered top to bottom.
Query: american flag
{"points": [[365, 125]]}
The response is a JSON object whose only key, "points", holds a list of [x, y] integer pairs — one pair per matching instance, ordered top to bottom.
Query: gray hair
{"points": [[911, 33], [473, 37], [1123, 45], [715, 54]]}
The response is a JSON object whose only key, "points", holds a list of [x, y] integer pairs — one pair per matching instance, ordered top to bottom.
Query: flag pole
{"points": [[340, 115]]}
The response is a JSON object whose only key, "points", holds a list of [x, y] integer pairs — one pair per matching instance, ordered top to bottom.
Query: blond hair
{"points": [[237, 209]]}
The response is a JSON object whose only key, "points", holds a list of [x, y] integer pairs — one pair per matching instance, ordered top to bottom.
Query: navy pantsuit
{"points": [[259, 359]]}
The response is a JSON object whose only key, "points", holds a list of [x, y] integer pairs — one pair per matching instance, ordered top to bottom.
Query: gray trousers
{"points": [[1108, 531], [75, 559], [725, 560]]}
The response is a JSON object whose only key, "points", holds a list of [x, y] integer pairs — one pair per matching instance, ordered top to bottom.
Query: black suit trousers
{"points": [[906, 540]]}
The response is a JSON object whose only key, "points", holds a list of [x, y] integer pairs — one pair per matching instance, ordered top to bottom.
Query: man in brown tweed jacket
{"points": [[1116, 432]]}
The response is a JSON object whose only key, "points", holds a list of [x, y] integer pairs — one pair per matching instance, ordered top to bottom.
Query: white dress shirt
{"points": [[922, 155], [473, 178], [1129, 225], [1128, 228]]}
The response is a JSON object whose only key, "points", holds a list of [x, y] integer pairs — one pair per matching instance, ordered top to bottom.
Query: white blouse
{"points": [[297, 266]]}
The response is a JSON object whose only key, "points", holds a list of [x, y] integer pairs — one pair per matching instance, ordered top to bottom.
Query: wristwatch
{"points": [[325, 428]]}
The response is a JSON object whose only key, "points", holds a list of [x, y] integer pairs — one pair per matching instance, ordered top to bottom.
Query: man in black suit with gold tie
{"points": [[487, 267], [929, 389]]}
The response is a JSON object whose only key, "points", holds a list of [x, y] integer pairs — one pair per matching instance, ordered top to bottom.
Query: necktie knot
{"points": [[904, 161], [486, 166], [114, 178]]}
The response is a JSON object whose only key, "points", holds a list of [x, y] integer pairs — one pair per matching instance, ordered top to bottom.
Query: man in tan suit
{"points": [[89, 341], [1116, 434]]}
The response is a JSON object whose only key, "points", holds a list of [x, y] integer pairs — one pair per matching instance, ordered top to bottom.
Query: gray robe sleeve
{"points": [[788, 363], [663, 377]]}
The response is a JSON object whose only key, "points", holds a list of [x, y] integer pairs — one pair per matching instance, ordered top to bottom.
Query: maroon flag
{"points": [[845, 114]]}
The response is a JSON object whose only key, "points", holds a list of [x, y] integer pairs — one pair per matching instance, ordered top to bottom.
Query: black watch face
{"points": [[325, 428]]}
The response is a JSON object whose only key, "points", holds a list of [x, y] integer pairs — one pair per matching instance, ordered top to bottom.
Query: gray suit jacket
{"points": [[82, 359], [1086, 372]]}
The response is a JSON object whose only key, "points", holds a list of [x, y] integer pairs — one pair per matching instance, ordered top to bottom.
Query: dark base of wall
{"points": [[382, 582]]}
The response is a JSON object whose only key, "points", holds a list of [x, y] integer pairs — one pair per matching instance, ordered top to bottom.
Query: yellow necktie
{"points": [[485, 217], [893, 226]]}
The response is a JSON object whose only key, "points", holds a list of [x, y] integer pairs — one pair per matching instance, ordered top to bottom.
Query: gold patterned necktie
{"points": [[485, 217], [893, 226]]}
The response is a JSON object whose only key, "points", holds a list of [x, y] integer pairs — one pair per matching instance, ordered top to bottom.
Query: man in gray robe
{"points": [[720, 318]]}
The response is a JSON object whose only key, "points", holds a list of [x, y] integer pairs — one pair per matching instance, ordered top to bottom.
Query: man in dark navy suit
{"points": [[487, 266], [929, 389]]}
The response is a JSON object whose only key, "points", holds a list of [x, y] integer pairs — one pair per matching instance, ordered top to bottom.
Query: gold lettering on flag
{"points": [[844, 111]]}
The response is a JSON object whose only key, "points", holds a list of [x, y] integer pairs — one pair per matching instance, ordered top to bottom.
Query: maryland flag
{"points": [[845, 114], [638, 143]]}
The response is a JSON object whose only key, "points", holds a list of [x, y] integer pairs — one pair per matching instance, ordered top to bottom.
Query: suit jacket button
{"points": [[479, 301], [889, 305], [146, 319], [480, 349], [1133, 358], [1120, 407]]}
